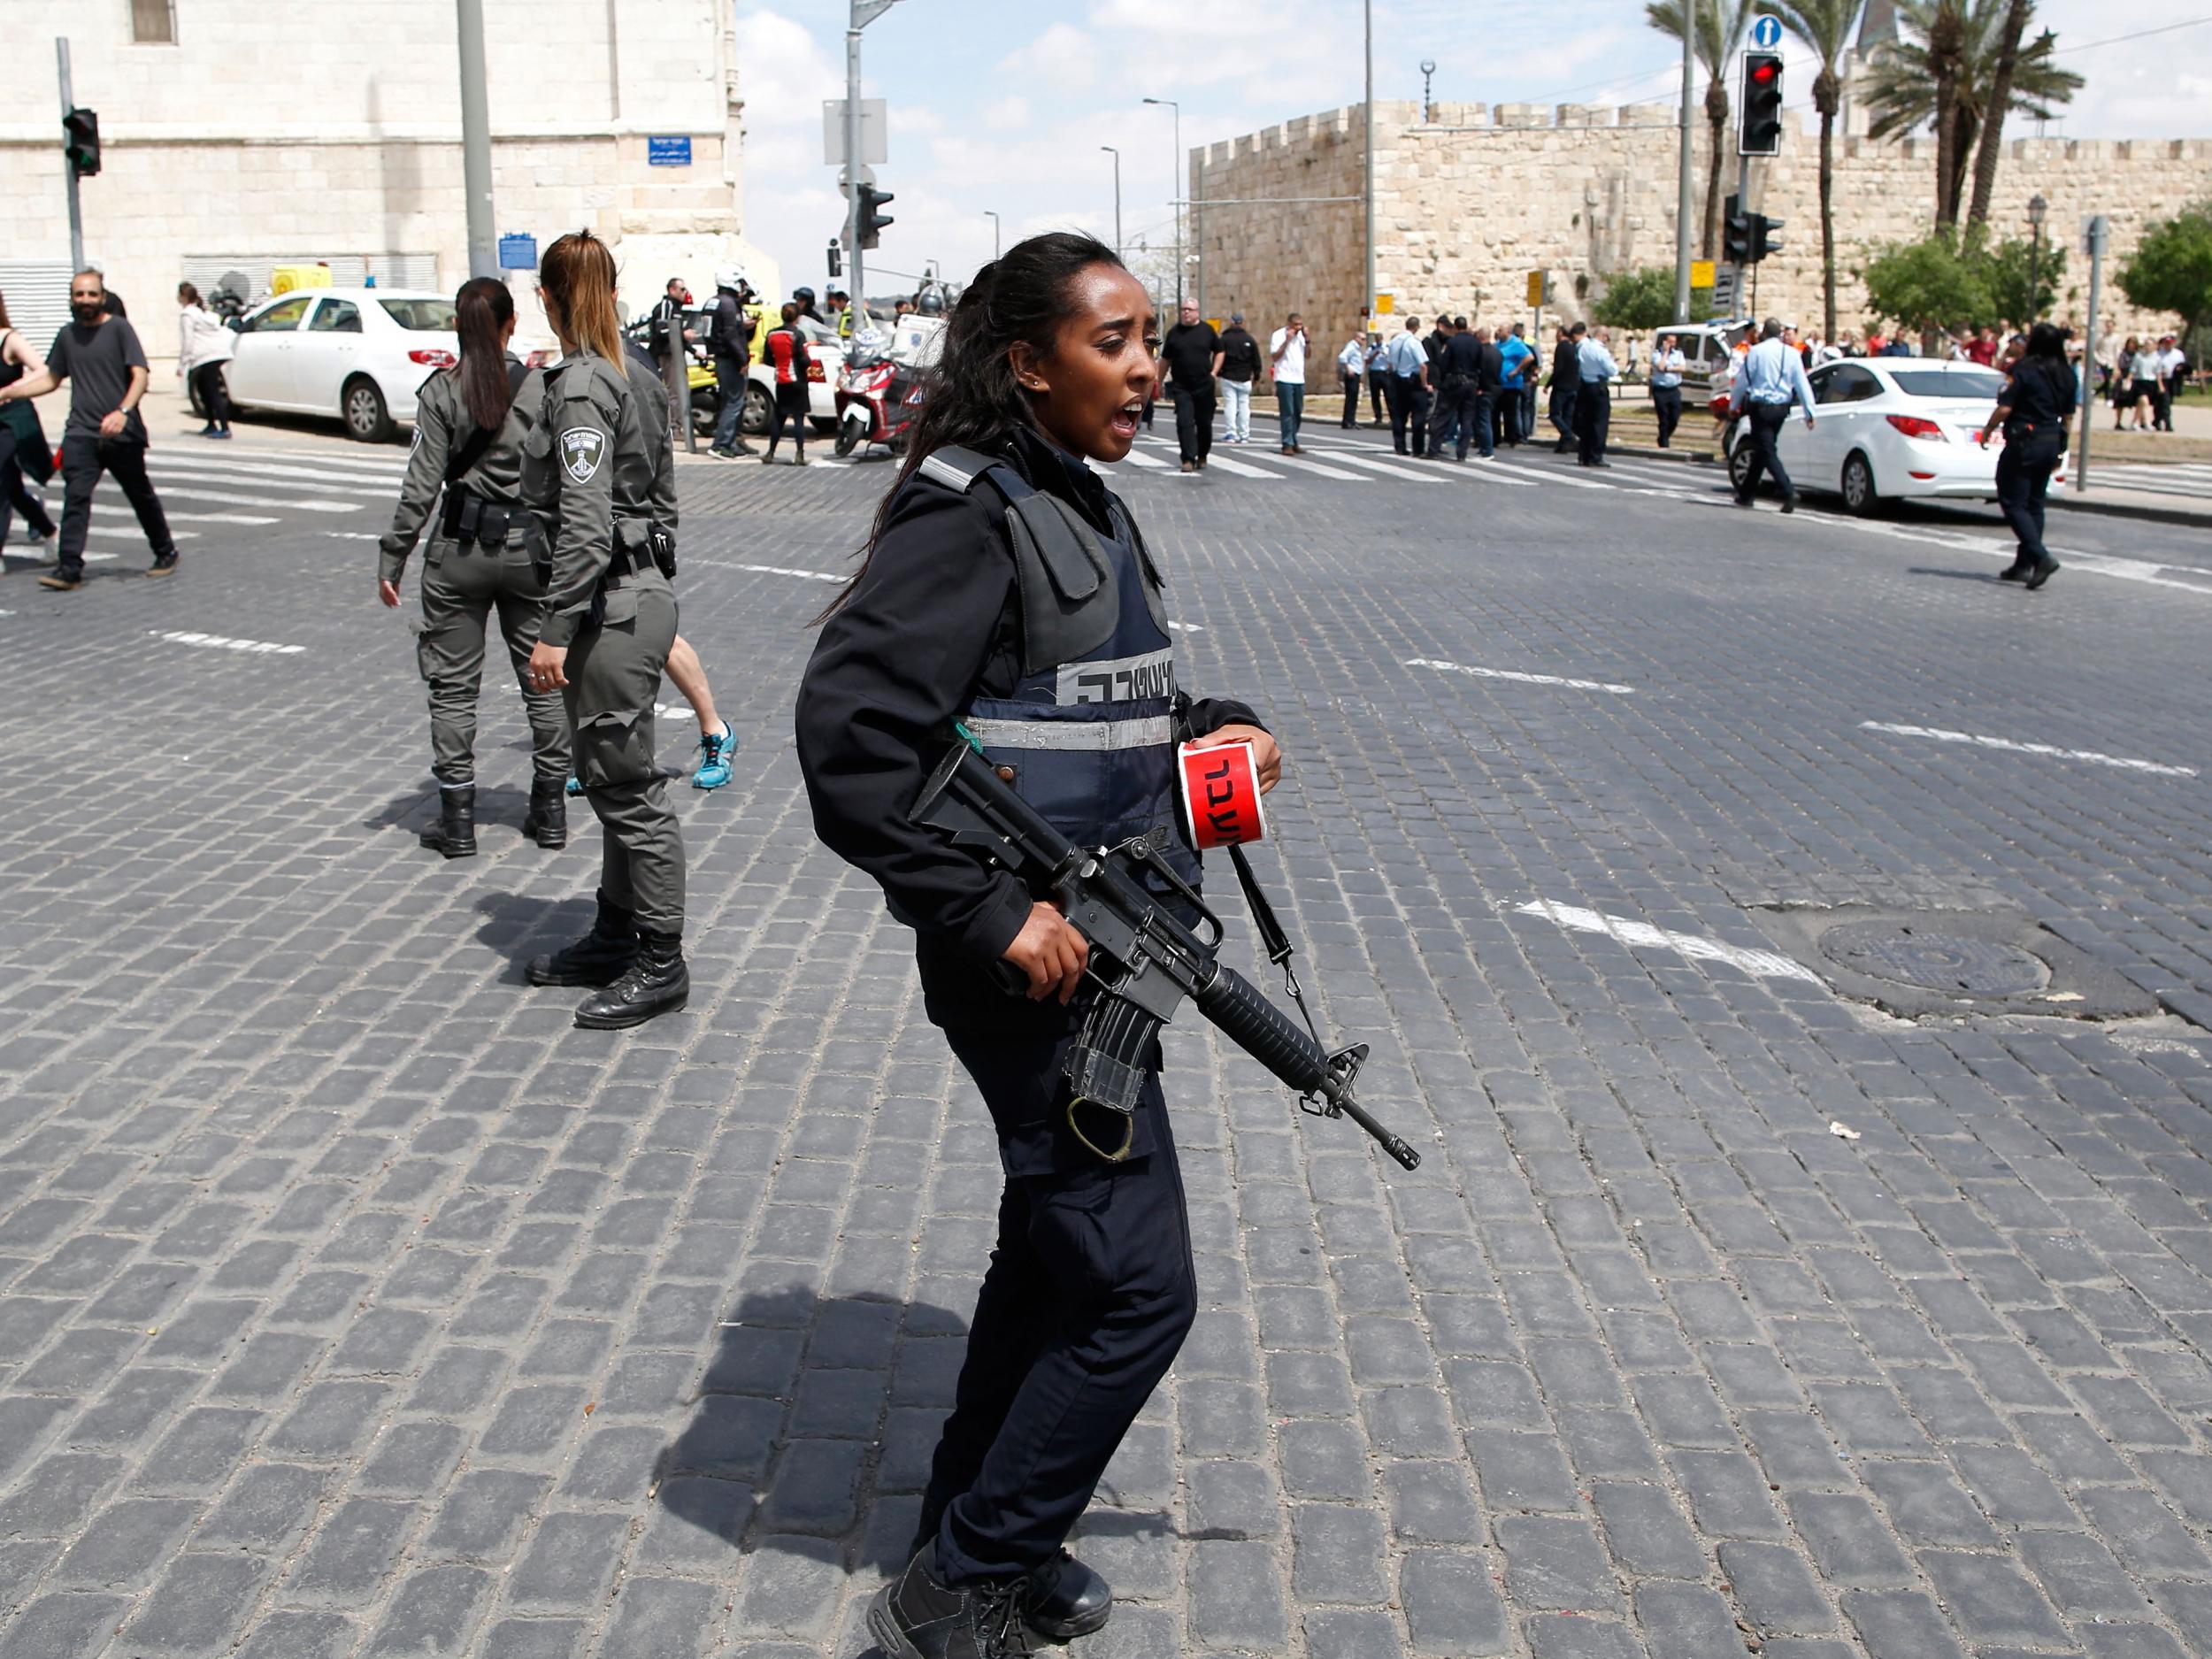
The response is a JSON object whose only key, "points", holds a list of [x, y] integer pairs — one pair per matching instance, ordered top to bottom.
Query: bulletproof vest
{"points": [[1088, 731]]}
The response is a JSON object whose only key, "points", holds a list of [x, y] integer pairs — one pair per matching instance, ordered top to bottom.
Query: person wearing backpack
{"points": [[463, 480]]}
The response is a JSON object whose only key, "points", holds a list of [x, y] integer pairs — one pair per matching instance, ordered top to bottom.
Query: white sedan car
{"points": [[360, 354], [1890, 429]]}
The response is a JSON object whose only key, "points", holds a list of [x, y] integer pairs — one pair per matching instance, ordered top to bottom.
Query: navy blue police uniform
{"points": [[1011, 591]]}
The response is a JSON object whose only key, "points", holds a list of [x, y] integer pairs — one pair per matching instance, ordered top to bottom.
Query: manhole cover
{"points": [[1935, 961]]}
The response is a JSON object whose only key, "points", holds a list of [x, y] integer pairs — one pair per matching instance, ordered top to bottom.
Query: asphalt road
{"points": [[352, 1303]]}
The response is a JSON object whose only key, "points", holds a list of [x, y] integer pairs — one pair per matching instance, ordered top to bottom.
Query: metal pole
{"points": [[1367, 123], [476, 141], [1116, 154], [852, 161], [68, 172], [1182, 189], [1686, 194], [995, 229], [2035, 261], [2089, 350]]}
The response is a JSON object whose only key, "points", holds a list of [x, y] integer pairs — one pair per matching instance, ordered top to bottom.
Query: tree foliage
{"points": [[1902, 88], [2008, 267], [2171, 270], [1929, 286], [1642, 299]]}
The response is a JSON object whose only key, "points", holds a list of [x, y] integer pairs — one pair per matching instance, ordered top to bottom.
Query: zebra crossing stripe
{"points": [[215, 642]]}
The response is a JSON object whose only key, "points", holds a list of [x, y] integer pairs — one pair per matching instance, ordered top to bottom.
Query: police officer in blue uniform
{"points": [[1004, 587]]}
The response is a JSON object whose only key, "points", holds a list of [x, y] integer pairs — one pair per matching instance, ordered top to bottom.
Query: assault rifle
{"points": [[1144, 959]]}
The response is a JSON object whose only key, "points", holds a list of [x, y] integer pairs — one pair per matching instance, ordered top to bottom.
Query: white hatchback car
{"points": [[360, 354], [1891, 429]]}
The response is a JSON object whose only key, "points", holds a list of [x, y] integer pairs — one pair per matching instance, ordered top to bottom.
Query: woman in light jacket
{"points": [[205, 342]]}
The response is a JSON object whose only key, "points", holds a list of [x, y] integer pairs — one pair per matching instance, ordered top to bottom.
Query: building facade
{"points": [[241, 137], [1468, 203]]}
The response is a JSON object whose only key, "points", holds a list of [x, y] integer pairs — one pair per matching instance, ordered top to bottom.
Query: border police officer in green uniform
{"points": [[599, 474], [464, 479]]}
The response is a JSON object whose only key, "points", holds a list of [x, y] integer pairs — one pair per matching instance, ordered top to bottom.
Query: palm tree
{"points": [[2016, 25], [1825, 26], [1720, 31], [1904, 93]]}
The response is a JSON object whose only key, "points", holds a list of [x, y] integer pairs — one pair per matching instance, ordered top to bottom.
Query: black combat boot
{"points": [[547, 821], [454, 833], [599, 957], [656, 983], [1067, 1599], [917, 1616]]}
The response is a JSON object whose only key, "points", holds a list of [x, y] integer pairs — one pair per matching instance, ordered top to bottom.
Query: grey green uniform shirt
{"points": [[443, 424], [599, 463]]}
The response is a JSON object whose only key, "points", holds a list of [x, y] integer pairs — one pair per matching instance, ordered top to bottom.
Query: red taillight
{"points": [[432, 357], [814, 372], [1913, 426]]}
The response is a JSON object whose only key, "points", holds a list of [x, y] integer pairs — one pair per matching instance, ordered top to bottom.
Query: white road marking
{"points": [[1137, 458], [1299, 464], [1403, 468], [1240, 469], [270, 477], [306, 505], [122, 510], [354, 536], [769, 570], [1186, 627], [215, 642], [1526, 679], [1937, 735], [1766, 964]]}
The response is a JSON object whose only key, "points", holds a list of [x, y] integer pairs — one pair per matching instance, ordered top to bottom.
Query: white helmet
{"points": [[730, 277]]}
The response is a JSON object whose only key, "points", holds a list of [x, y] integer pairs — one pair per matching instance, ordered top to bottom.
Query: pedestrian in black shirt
{"points": [[1191, 354], [100, 356], [1240, 368], [1458, 370], [1566, 387], [2034, 410], [1090, 1288]]}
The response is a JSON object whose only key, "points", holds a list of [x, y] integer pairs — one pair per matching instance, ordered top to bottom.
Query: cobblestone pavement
{"points": [[352, 1303]]}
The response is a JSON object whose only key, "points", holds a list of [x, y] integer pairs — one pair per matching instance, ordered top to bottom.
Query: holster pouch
{"points": [[470, 519], [661, 540]]}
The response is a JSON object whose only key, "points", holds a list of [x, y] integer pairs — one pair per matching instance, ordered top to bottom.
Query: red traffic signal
{"points": [[1761, 134]]}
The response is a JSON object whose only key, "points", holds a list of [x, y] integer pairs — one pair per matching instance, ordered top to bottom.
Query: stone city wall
{"points": [[1468, 204]]}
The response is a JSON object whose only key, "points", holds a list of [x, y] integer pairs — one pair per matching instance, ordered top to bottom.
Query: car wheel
{"points": [[362, 407], [757, 408], [1740, 465], [1859, 493]]}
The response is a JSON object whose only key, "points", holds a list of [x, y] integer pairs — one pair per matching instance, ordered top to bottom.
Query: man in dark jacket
{"points": [[733, 354], [1191, 357], [1240, 368], [1456, 368], [1566, 385]]}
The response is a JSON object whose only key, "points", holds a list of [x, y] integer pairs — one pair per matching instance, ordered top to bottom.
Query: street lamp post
{"points": [[1428, 106], [1116, 154], [1178, 198], [2037, 209], [994, 228]]}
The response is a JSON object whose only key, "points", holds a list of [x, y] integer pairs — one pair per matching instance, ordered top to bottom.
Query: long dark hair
{"points": [[577, 275], [482, 310], [2047, 342], [971, 397]]}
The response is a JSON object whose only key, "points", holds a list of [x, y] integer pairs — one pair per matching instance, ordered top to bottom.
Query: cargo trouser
{"points": [[462, 584], [614, 672]]}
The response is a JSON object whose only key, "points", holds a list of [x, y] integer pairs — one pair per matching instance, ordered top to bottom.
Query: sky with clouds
{"points": [[999, 105]]}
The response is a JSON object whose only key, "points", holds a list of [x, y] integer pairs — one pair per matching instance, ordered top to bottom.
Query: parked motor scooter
{"points": [[877, 398]]}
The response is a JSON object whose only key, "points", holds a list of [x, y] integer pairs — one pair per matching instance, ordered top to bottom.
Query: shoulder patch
{"points": [[582, 449]]}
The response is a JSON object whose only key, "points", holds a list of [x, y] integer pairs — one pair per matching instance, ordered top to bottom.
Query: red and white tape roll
{"points": [[1221, 795]]}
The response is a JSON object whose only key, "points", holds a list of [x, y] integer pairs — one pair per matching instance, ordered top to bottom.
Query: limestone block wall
{"points": [[304, 132], [1467, 204]]}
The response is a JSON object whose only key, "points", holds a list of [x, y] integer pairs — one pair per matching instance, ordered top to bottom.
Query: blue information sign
{"points": [[1766, 33], [668, 152], [517, 251]]}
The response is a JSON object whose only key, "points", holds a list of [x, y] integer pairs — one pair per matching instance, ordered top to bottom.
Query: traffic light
{"points": [[1761, 134], [81, 141], [872, 218], [1735, 233], [1766, 236], [836, 258]]}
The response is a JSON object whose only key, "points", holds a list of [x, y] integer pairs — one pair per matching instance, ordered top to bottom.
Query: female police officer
{"points": [[469, 423], [598, 472], [1004, 587]]}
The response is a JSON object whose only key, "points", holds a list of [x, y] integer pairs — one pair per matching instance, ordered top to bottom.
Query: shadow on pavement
{"points": [[1988, 577], [521, 926]]}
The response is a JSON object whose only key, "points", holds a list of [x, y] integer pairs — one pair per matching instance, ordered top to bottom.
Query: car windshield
{"points": [[431, 316], [1983, 383]]}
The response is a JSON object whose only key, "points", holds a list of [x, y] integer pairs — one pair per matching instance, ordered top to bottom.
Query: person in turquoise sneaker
{"points": [[717, 740]]}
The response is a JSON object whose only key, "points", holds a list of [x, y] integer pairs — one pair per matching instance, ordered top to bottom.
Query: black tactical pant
{"points": [[1666, 403], [1563, 412], [1594, 420], [1193, 421], [1763, 424], [83, 458], [2024, 466], [462, 584], [614, 672], [1090, 1293]]}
